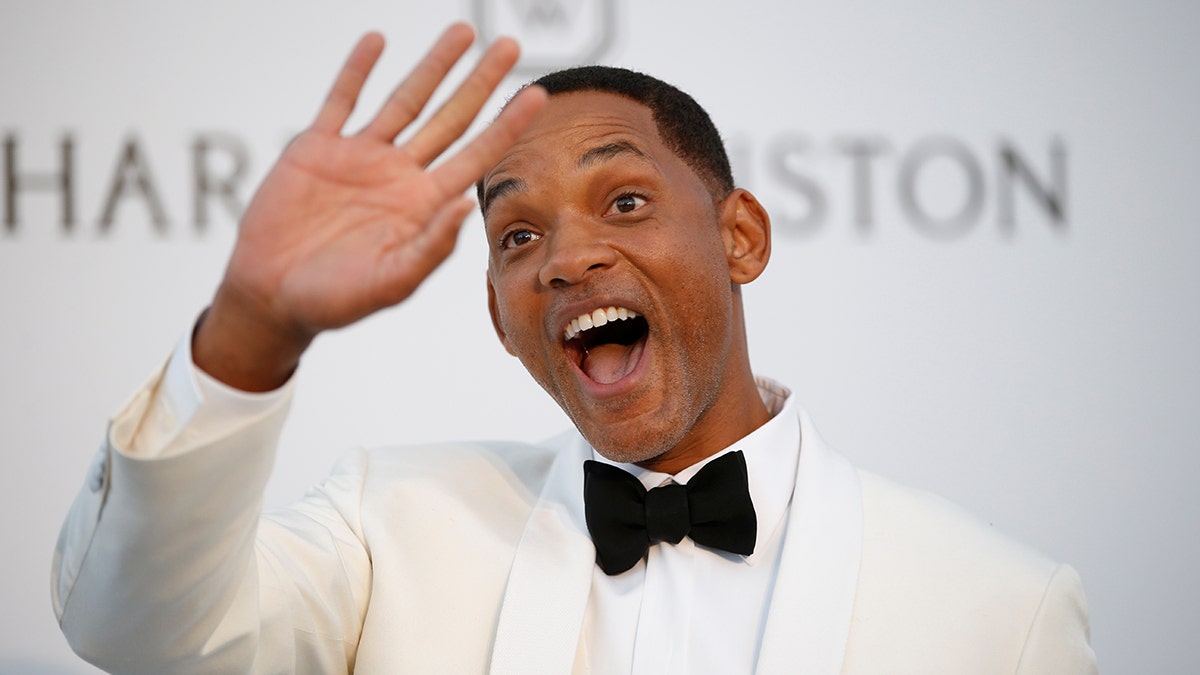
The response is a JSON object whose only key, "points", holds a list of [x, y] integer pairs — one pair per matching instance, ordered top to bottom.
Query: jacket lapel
{"points": [[542, 616], [809, 621]]}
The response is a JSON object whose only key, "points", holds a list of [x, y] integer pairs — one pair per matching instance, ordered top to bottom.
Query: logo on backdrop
{"points": [[553, 33], [41, 181], [937, 187]]}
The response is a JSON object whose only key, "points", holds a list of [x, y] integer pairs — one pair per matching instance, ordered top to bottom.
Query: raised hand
{"points": [[345, 225]]}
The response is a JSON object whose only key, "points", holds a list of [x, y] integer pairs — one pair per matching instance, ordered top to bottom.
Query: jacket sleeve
{"points": [[166, 565], [1058, 640]]}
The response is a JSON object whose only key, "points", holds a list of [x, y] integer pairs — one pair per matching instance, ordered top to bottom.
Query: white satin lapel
{"points": [[542, 616], [809, 621]]}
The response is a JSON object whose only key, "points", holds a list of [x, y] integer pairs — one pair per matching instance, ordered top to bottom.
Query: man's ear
{"points": [[746, 229], [495, 313]]}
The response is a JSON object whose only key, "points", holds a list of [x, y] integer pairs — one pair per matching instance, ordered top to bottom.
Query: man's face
{"points": [[591, 219]]}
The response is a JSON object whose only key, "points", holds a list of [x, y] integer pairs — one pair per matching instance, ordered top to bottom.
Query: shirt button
{"points": [[99, 471]]}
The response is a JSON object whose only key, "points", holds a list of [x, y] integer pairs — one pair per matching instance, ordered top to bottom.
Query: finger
{"points": [[346, 88], [407, 100], [453, 118], [468, 165], [438, 240], [428, 250]]}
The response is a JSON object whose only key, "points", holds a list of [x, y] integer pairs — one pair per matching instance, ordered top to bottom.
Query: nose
{"points": [[573, 249]]}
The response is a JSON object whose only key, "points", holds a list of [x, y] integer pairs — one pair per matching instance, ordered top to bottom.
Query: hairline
{"points": [[712, 182]]}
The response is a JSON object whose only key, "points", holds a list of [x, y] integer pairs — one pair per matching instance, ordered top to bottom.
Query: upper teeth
{"points": [[597, 318]]}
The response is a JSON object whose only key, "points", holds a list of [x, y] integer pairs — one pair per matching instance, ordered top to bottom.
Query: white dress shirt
{"points": [[684, 608], [687, 608]]}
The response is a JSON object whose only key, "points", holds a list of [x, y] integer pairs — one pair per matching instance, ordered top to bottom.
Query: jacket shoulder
{"points": [[434, 457], [915, 527], [941, 591]]}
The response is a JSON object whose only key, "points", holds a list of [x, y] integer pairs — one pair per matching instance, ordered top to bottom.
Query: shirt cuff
{"points": [[181, 407]]}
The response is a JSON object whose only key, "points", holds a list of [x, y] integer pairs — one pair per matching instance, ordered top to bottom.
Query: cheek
{"points": [[702, 273], [705, 303], [515, 332], [523, 333]]}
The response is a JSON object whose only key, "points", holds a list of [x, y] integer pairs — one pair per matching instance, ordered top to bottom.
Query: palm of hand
{"points": [[339, 230]]}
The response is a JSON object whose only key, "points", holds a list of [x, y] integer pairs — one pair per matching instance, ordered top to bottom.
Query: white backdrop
{"points": [[1039, 368]]}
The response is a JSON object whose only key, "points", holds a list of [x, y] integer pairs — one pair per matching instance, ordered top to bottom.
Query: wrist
{"points": [[240, 345]]}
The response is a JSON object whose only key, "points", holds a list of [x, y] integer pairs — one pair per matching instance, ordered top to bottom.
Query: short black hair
{"points": [[684, 126]]}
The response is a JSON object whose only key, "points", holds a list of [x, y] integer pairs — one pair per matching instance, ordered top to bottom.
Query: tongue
{"points": [[608, 363]]}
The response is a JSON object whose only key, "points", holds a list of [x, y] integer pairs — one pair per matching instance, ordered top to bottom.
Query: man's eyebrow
{"points": [[607, 152], [598, 154], [500, 189]]}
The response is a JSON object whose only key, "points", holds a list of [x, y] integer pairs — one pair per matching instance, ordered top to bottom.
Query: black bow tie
{"points": [[714, 509]]}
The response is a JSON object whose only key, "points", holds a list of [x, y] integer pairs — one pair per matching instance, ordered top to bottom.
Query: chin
{"points": [[643, 447], [627, 455]]}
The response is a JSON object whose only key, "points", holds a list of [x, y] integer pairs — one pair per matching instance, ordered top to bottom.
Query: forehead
{"points": [[576, 122]]}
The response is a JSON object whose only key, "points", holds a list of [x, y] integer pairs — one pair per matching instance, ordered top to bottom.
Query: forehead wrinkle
{"points": [[501, 189]]}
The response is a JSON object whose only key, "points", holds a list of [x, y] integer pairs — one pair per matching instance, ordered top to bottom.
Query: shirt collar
{"points": [[772, 452]]}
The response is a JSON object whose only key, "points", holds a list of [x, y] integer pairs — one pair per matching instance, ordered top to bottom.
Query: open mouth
{"points": [[607, 343]]}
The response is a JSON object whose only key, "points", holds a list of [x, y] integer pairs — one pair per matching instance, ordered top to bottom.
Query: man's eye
{"points": [[626, 204], [518, 238]]}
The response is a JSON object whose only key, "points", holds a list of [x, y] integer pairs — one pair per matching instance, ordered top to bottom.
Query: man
{"points": [[618, 246]]}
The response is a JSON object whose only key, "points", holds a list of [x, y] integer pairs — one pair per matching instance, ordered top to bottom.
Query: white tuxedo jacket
{"points": [[475, 558]]}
